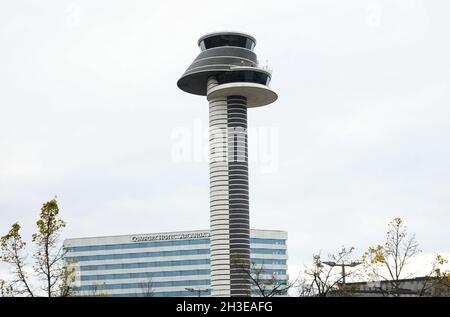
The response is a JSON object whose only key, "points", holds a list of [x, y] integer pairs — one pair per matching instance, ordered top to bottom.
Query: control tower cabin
{"points": [[226, 71]]}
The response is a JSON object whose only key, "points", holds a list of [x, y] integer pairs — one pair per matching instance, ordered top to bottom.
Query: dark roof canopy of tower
{"points": [[219, 39], [229, 57]]}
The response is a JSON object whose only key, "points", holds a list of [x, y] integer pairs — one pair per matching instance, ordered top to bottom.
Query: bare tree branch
{"points": [[322, 280], [147, 288]]}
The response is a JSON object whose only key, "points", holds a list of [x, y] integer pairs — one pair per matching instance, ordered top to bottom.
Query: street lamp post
{"points": [[342, 265], [193, 290]]}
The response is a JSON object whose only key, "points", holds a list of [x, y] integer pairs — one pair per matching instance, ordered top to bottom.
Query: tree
{"points": [[12, 252], [49, 256], [387, 262], [49, 266], [322, 280], [437, 282], [266, 285], [67, 286], [304, 287], [147, 288], [5, 289], [96, 290]]}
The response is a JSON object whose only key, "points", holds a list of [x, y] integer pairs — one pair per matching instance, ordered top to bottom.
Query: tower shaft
{"points": [[230, 229]]}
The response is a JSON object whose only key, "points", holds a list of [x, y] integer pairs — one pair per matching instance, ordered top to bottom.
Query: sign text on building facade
{"points": [[167, 237]]}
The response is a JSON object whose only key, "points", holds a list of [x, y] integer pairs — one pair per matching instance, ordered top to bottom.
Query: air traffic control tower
{"points": [[226, 71]]}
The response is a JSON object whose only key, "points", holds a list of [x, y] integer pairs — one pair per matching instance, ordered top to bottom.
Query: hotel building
{"points": [[164, 264]]}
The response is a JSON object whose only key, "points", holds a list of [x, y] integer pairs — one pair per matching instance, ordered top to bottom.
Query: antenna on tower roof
{"points": [[266, 67]]}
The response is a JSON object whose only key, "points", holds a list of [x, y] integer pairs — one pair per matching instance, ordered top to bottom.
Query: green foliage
{"points": [[48, 223], [11, 244], [12, 247], [49, 254], [387, 262], [49, 264], [437, 282], [6, 289]]}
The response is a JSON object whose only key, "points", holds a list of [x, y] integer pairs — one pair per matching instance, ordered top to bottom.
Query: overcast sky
{"points": [[361, 130]]}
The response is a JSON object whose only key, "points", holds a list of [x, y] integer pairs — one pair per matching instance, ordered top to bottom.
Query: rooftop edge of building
{"points": [[280, 233]]}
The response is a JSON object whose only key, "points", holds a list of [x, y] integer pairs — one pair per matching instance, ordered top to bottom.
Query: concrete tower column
{"points": [[219, 195], [229, 217]]}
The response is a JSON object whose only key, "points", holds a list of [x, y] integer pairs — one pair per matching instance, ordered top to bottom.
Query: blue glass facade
{"points": [[159, 244], [136, 255], [167, 263], [119, 269], [162, 274], [162, 294]]}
